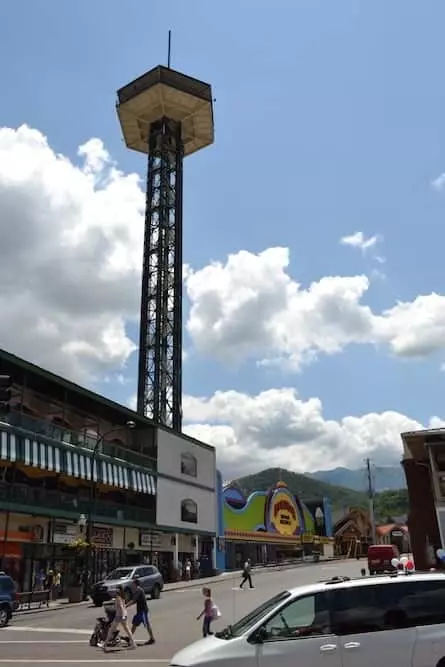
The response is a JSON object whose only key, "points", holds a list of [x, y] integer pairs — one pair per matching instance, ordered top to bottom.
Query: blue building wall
{"points": [[327, 511], [220, 557]]}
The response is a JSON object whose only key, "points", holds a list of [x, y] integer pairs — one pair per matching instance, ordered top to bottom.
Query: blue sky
{"points": [[329, 120]]}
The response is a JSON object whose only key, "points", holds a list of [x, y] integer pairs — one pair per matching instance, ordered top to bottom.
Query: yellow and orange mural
{"points": [[274, 516]]}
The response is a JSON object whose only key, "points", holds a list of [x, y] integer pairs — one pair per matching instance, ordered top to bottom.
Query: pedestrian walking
{"points": [[246, 574], [57, 584], [209, 613], [142, 615], [120, 620]]}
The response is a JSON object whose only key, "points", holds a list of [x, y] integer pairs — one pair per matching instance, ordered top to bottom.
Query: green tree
{"points": [[390, 504]]}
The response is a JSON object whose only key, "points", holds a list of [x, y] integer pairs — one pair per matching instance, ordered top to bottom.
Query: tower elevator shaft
{"points": [[160, 340]]}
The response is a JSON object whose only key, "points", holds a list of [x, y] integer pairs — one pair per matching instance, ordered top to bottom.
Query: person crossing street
{"points": [[246, 574], [142, 615]]}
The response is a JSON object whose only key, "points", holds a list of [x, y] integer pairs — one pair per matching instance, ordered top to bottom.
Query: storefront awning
{"points": [[74, 462]]}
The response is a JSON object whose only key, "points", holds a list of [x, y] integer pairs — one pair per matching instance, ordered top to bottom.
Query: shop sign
{"points": [[283, 513], [64, 533], [397, 533], [24, 534], [102, 537], [150, 540]]}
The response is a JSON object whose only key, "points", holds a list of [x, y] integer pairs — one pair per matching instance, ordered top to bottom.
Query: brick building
{"points": [[424, 466]]}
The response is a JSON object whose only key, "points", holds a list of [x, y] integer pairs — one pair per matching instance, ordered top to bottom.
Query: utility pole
{"points": [[371, 500]]}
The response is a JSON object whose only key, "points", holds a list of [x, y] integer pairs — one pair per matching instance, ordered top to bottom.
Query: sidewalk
{"points": [[236, 574], [179, 585]]}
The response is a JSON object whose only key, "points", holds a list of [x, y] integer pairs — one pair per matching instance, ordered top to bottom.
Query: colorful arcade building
{"points": [[273, 525]]}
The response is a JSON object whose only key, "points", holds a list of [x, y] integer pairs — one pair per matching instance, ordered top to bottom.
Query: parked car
{"points": [[380, 557], [149, 578], [7, 599], [396, 619]]}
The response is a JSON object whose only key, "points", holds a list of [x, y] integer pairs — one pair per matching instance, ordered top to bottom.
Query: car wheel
{"points": [[371, 572], [156, 592], [97, 603], [4, 617]]}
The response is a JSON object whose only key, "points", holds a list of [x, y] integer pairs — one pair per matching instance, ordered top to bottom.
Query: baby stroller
{"points": [[101, 628]]}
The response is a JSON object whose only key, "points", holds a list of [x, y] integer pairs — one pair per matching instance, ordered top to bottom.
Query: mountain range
{"points": [[384, 478], [388, 503]]}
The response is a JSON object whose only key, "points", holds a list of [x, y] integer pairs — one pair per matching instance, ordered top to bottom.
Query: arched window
{"points": [[189, 464], [189, 511]]}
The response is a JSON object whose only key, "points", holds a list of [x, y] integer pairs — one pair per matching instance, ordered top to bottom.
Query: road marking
{"points": [[64, 631], [42, 641], [54, 661]]}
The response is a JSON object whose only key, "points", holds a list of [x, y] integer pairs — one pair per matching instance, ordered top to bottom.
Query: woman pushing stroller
{"points": [[120, 620]]}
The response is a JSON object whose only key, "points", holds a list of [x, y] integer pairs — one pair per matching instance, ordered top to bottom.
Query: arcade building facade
{"points": [[153, 490], [272, 525]]}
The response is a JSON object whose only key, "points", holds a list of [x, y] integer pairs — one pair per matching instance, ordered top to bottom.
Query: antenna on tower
{"points": [[169, 48]]}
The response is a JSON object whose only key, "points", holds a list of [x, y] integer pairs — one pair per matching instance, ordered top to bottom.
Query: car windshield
{"points": [[120, 573], [248, 622]]}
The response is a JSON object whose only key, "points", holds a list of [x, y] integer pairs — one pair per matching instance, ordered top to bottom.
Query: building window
{"points": [[189, 465], [189, 511]]}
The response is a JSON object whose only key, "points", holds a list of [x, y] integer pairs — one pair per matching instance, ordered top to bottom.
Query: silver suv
{"points": [[149, 578]]}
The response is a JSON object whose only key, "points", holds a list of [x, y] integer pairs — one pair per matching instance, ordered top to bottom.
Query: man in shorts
{"points": [[142, 615]]}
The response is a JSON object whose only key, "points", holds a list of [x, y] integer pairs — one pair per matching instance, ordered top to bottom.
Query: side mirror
{"points": [[259, 636]]}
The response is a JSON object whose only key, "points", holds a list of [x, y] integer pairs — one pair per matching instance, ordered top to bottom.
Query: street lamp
{"points": [[92, 504], [82, 522]]}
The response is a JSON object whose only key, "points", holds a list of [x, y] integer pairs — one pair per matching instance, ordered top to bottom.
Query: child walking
{"points": [[209, 613], [120, 619]]}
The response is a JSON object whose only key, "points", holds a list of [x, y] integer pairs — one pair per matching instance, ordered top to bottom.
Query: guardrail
{"points": [[314, 557], [28, 599]]}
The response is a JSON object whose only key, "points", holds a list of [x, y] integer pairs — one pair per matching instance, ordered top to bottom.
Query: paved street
{"points": [[60, 636]]}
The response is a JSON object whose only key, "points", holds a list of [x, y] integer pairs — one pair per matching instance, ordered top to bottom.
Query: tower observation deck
{"points": [[166, 115]]}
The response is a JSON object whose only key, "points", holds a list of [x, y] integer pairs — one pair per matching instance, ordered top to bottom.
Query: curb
{"points": [[58, 605]]}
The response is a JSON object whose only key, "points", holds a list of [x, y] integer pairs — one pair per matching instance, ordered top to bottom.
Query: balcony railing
{"points": [[80, 439], [55, 503]]}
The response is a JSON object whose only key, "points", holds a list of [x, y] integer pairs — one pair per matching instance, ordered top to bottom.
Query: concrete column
{"points": [[422, 521], [176, 551], [214, 553], [196, 555]]}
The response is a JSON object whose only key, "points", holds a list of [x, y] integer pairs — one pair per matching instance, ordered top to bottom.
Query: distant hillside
{"points": [[384, 478], [304, 487], [387, 504]]}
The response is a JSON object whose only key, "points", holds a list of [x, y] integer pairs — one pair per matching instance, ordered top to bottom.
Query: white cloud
{"points": [[439, 183], [359, 240], [70, 255], [70, 258], [251, 307], [132, 402], [278, 429]]}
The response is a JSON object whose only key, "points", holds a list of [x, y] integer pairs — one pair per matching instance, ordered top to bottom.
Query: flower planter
{"points": [[75, 593]]}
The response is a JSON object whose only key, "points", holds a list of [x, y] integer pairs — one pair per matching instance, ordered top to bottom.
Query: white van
{"points": [[396, 620]]}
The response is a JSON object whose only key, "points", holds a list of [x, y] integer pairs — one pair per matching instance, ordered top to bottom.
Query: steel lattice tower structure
{"points": [[166, 115]]}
